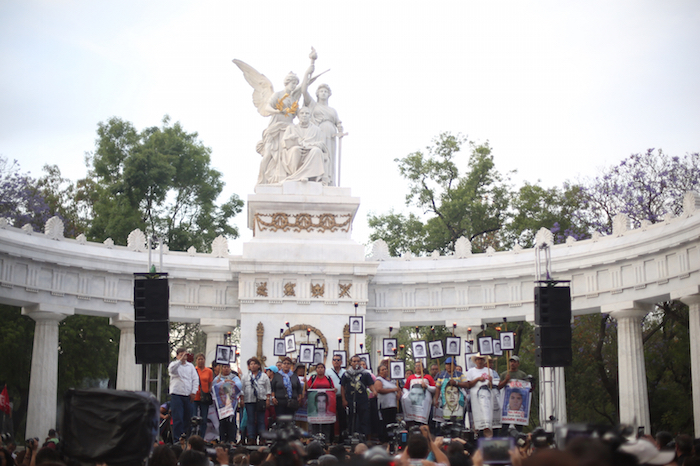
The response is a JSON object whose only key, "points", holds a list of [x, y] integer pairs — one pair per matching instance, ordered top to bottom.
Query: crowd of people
{"points": [[350, 415], [616, 448]]}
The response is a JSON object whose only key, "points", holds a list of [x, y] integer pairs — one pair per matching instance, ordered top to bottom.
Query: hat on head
{"points": [[482, 356], [515, 358], [449, 361], [273, 369], [646, 452]]}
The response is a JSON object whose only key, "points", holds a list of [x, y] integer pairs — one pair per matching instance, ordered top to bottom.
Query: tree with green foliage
{"points": [[159, 180], [473, 204], [535, 207], [88, 352]]}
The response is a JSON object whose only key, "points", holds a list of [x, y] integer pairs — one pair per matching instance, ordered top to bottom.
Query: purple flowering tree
{"points": [[644, 186], [21, 202]]}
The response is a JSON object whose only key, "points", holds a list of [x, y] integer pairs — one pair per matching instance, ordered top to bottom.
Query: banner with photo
{"points": [[226, 395], [452, 401], [416, 402], [516, 403], [485, 405], [321, 406]]}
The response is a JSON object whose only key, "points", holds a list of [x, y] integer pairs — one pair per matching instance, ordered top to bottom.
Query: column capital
{"points": [[689, 296], [632, 309], [43, 316], [122, 322], [217, 325], [383, 331]]}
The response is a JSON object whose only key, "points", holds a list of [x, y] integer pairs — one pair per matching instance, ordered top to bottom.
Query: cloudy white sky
{"points": [[559, 89]]}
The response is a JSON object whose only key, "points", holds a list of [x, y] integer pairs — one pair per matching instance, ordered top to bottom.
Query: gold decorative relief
{"points": [[305, 222], [261, 289], [289, 289], [317, 290], [344, 291], [260, 332], [346, 337]]}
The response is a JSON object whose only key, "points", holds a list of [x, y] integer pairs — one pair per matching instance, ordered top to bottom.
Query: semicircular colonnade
{"points": [[624, 274]]}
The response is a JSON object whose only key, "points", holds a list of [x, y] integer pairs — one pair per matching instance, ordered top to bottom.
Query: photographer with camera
{"points": [[184, 384]]}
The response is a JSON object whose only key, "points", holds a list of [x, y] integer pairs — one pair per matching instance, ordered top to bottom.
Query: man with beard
{"points": [[356, 385]]}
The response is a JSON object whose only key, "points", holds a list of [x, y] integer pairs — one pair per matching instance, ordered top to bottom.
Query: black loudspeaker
{"points": [[151, 299], [552, 305], [151, 313], [553, 326], [152, 331], [553, 337], [152, 353], [553, 357], [109, 426]]}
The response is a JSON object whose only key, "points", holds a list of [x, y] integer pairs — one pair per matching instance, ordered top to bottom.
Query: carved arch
{"points": [[322, 337]]}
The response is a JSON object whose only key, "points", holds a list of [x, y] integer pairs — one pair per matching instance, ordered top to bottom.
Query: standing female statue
{"points": [[281, 106], [326, 118]]}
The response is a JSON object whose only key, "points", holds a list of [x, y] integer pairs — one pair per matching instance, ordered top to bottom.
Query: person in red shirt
{"points": [[321, 380], [418, 395], [201, 404]]}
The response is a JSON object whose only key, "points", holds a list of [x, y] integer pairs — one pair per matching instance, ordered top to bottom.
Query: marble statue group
{"points": [[306, 151]]}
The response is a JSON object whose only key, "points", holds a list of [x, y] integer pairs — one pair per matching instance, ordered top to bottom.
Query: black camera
{"points": [[284, 430], [451, 430], [398, 436], [541, 438]]}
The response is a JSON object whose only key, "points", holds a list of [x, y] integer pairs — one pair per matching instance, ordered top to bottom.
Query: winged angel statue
{"points": [[281, 107]]}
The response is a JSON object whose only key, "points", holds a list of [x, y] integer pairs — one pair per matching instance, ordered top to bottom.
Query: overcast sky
{"points": [[559, 89]]}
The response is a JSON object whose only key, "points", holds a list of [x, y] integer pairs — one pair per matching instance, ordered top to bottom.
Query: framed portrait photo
{"points": [[356, 324], [507, 341], [290, 344], [485, 345], [389, 346], [452, 346], [469, 347], [279, 348], [436, 349], [419, 350], [497, 351], [306, 353], [223, 354], [234, 354], [319, 354], [343, 355], [365, 358], [397, 370]]}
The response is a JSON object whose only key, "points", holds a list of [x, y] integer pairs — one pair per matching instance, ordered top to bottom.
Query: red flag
{"points": [[5, 401]]}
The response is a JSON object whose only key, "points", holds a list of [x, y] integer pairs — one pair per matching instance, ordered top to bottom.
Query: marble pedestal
{"points": [[301, 267]]}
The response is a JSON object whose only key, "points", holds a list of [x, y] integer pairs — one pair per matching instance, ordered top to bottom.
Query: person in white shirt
{"points": [[336, 374], [184, 383]]}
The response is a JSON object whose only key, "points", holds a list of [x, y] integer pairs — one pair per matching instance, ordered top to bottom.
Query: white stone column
{"points": [[693, 302], [216, 330], [376, 344], [129, 374], [632, 375], [43, 380], [552, 397]]}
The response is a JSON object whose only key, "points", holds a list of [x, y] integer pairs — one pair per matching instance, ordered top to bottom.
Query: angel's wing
{"points": [[262, 87]]}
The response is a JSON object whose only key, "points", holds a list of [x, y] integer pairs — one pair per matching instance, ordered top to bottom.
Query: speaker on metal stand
{"points": [[152, 318], [552, 330]]}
